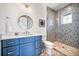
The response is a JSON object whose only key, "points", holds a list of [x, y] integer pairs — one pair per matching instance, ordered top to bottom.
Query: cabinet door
{"points": [[27, 49], [10, 51]]}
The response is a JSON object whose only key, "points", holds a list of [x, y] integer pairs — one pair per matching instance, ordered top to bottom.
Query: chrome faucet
{"points": [[27, 32]]}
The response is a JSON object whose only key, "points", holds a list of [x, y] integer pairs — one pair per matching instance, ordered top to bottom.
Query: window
{"points": [[67, 19]]}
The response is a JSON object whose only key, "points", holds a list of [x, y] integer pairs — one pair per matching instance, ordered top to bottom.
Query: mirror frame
{"points": [[27, 22]]}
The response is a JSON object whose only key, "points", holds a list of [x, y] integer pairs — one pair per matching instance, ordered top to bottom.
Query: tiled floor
{"points": [[61, 49], [54, 53]]}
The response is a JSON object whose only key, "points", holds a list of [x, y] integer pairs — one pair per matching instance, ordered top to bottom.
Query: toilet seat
{"points": [[48, 43]]}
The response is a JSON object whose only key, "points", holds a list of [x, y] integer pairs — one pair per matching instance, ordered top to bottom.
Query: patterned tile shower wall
{"points": [[69, 33]]}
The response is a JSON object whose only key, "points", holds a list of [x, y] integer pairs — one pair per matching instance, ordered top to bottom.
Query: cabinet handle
{"points": [[10, 42], [10, 53]]}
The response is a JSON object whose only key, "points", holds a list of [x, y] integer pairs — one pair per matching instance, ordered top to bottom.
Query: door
{"points": [[50, 28], [27, 49]]}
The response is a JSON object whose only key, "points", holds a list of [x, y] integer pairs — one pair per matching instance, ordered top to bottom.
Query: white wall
{"points": [[15, 10], [2, 17]]}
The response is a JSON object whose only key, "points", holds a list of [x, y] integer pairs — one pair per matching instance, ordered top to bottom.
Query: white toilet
{"points": [[48, 47]]}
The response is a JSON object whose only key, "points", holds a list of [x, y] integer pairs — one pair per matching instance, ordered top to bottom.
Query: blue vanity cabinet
{"points": [[24, 46], [27, 49]]}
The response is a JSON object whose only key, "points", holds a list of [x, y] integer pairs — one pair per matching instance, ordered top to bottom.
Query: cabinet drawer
{"points": [[26, 40], [9, 42], [38, 44], [11, 51], [38, 52]]}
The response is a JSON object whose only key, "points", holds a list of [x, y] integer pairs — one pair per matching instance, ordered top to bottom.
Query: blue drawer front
{"points": [[26, 40], [10, 42], [38, 44], [27, 49], [11, 51], [37, 52]]}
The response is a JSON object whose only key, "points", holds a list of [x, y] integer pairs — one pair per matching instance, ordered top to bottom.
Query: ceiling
{"points": [[56, 6]]}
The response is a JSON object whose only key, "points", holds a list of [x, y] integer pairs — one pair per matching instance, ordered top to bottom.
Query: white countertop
{"points": [[18, 36]]}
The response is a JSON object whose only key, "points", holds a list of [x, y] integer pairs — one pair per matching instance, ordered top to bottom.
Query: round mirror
{"points": [[25, 22]]}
